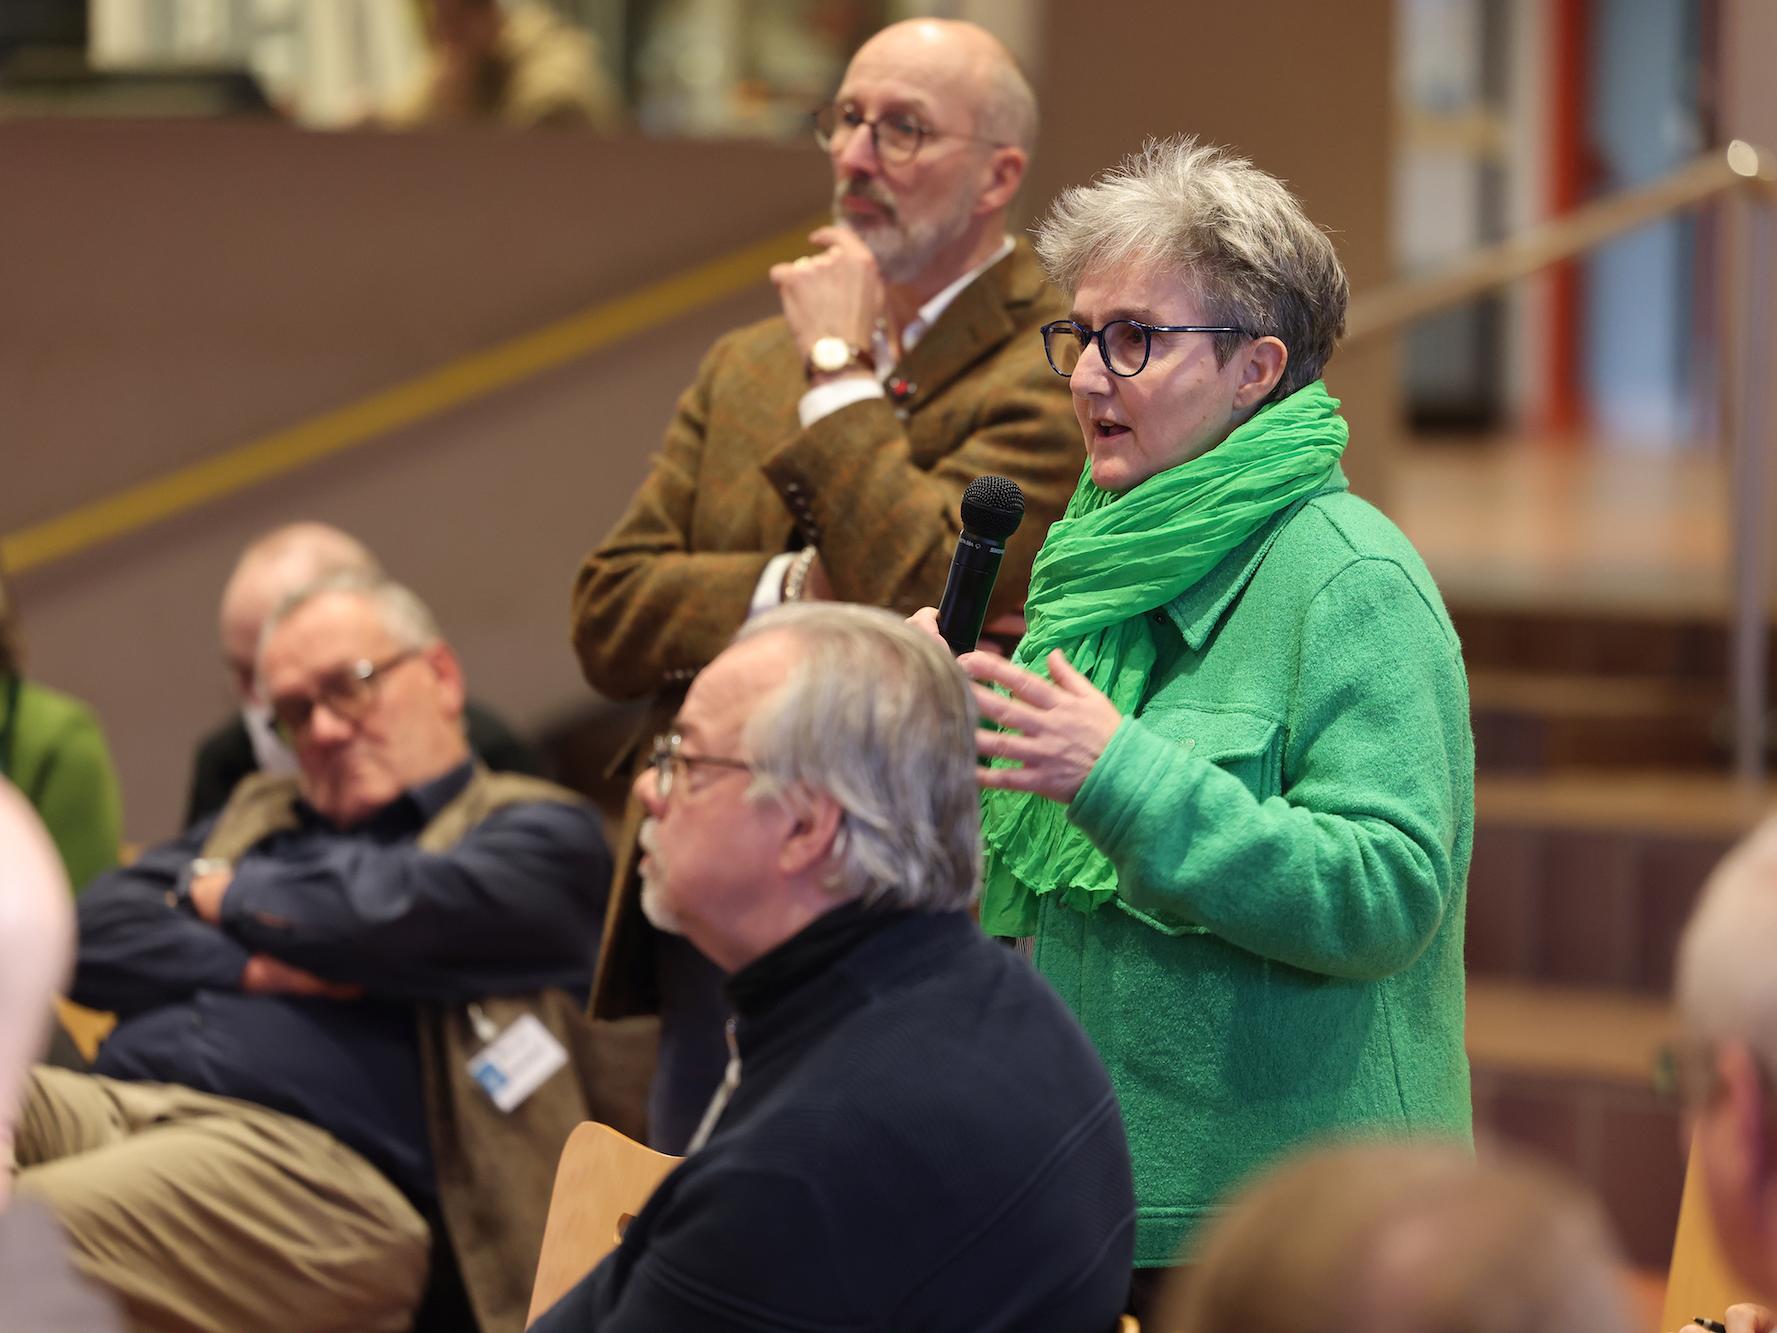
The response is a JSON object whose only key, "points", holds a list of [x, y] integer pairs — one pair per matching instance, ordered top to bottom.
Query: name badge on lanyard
{"points": [[515, 1063]]}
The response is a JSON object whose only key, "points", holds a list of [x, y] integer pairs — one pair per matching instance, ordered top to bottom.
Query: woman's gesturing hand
{"points": [[1055, 729]]}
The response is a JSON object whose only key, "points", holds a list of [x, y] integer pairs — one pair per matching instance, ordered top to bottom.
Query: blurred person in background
{"points": [[517, 64], [823, 454], [272, 567], [52, 750], [1232, 790], [1726, 992], [299, 1112], [1404, 1238], [39, 1290]]}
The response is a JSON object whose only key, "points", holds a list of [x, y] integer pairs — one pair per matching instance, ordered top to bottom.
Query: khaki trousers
{"points": [[205, 1213]]}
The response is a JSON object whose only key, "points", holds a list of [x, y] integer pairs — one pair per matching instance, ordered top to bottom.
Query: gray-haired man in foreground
{"points": [[350, 1037], [913, 1132]]}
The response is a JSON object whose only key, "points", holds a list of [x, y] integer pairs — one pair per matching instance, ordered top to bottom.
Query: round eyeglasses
{"points": [[896, 137], [1123, 344], [668, 757]]}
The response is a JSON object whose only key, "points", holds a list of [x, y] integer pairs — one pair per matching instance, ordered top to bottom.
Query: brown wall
{"points": [[174, 290]]}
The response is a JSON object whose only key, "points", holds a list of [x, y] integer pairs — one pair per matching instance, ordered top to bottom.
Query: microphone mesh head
{"points": [[993, 507]]}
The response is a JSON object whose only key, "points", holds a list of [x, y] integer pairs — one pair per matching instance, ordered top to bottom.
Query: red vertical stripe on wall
{"points": [[1563, 406]]}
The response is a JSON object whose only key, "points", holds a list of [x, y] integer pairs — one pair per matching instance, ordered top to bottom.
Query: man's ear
{"points": [[1004, 174], [1266, 359], [449, 673], [813, 833], [1746, 1105]]}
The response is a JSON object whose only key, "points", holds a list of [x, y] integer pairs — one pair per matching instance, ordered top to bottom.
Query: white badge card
{"points": [[517, 1062]]}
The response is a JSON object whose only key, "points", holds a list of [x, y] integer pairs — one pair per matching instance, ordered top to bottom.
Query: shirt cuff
{"points": [[825, 399], [770, 589]]}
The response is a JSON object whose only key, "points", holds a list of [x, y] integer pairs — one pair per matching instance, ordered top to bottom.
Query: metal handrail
{"points": [[1735, 168], [1737, 171]]}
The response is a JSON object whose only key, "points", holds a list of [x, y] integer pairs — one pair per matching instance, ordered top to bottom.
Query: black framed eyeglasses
{"points": [[896, 137], [1124, 344], [349, 693], [668, 757]]}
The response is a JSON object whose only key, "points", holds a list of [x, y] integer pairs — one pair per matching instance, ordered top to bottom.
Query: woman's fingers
{"points": [[985, 668]]}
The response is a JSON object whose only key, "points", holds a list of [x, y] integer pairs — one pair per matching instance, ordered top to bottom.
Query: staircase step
{"points": [[1558, 640], [1535, 722], [1587, 879], [1523, 1029], [1564, 1074]]}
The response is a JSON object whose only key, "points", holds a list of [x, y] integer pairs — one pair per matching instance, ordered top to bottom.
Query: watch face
{"points": [[830, 354]]}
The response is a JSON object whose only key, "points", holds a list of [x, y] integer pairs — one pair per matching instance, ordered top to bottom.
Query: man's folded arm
{"points": [[514, 907], [137, 950]]}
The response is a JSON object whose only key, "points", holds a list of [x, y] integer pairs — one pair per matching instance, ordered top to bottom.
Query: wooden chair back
{"points": [[601, 1183], [1699, 1281]]}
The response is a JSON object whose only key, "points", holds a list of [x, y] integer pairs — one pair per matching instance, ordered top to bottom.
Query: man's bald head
{"points": [[972, 62], [930, 201], [274, 566], [36, 947]]}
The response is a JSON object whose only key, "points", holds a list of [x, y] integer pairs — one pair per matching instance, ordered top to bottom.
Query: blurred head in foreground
{"points": [[36, 950], [1727, 1002], [1405, 1238]]}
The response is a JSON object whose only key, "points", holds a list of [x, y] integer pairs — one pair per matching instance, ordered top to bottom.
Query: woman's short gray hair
{"points": [[1234, 232], [399, 610], [878, 716]]}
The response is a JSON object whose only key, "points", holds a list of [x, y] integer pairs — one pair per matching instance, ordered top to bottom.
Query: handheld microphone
{"points": [[992, 510]]}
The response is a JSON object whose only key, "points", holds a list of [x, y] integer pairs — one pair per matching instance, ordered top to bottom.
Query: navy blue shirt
{"points": [[513, 908]]}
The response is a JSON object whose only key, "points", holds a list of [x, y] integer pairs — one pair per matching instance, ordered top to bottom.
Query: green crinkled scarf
{"points": [[1107, 562]]}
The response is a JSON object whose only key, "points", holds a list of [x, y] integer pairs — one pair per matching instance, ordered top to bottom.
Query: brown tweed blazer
{"points": [[876, 486]]}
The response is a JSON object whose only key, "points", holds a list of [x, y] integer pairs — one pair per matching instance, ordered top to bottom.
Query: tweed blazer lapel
{"points": [[977, 322]]}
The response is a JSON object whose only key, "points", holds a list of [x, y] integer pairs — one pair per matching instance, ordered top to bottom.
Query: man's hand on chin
{"points": [[835, 294]]}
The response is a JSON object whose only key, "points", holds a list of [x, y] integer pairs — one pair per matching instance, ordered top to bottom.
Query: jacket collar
{"points": [[981, 318], [1200, 608]]}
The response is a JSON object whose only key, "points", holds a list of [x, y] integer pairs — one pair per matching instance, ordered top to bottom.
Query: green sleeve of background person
{"points": [[59, 760]]}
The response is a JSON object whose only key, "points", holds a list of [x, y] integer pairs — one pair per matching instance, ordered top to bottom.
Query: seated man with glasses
{"points": [[823, 454], [351, 1012], [913, 1133]]}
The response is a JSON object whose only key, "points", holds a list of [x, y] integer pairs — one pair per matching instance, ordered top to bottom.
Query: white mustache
{"points": [[863, 189]]}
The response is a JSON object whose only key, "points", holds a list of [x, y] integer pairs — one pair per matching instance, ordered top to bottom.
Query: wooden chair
{"points": [[601, 1184], [1699, 1281]]}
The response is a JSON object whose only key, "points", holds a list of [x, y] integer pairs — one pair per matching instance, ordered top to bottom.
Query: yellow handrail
{"points": [[1738, 166], [426, 395]]}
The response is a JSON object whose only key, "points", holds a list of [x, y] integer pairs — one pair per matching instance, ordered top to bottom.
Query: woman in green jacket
{"points": [[52, 750], [1232, 790]]}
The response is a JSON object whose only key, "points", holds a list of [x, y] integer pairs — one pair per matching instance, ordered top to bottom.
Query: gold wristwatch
{"points": [[832, 354]]}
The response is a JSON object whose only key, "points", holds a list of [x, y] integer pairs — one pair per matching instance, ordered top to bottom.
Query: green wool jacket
{"points": [[57, 757], [1290, 814]]}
